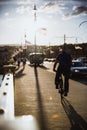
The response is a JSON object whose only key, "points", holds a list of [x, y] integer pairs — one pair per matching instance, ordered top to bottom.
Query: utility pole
{"points": [[64, 39], [76, 41], [49, 49]]}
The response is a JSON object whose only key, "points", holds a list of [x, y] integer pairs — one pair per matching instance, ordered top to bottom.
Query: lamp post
{"points": [[35, 12], [35, 31], [25, 40], [25, 44]]}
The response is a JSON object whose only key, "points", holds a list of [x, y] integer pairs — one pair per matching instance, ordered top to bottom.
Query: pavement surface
{"points": [[35, 94]]}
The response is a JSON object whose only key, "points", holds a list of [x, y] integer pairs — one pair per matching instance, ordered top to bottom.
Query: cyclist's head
{"points": [[66, 49]]}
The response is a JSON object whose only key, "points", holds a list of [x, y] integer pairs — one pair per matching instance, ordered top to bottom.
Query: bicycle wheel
{"points": [[61, 87]]}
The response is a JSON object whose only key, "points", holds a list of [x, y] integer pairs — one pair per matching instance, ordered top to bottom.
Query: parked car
{"points": [[36, 58], [82, 59], [78, 68]]}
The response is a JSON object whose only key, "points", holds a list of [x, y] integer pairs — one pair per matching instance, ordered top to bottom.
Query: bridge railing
{"points": [[7, 93], [8, 121]]}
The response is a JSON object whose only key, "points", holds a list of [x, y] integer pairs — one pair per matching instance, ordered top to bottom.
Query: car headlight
{"points": [[76, 71]]}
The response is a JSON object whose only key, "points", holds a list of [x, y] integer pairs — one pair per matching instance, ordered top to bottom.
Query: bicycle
{"points": [[60, 86], [61, 91]]}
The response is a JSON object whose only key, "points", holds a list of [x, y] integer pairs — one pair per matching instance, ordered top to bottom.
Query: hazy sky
{"points": [[54, 18]]}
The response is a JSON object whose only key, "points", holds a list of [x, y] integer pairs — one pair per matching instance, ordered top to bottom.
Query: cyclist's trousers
{"points": [[66, 73]]}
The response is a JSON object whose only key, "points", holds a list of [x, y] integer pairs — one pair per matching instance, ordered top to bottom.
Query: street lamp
{"points": [[35, 12], [35, 31], [25, 40], [25, 48]]}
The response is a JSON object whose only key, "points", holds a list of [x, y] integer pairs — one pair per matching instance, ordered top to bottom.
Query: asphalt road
{"points": [[35, 94]]}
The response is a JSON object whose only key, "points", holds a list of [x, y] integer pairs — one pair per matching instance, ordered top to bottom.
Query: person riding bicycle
{"points": [[64, 60], [24, 62]]}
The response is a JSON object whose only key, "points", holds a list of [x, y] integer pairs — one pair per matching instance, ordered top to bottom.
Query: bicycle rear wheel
{"points": [[61, 88]]}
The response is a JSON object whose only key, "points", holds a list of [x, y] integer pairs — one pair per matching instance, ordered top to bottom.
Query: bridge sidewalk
{"points": [[35, 94]]}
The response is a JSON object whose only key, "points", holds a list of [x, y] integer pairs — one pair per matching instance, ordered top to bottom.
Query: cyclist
{"points": [[64, 60], [24, 62]]}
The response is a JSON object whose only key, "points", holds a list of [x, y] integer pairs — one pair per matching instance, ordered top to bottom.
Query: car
{"points": [[36, 58], [82, 59], [78, 68]]}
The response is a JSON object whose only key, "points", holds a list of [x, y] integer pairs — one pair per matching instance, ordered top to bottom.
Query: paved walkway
{"points": [[35, 94]]}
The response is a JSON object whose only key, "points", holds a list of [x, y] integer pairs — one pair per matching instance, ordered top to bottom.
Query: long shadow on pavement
{"points": [[19, 73], [42, 120], [77, 122]]}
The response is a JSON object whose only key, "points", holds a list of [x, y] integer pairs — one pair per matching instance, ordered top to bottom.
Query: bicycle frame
{"points": [[61, 86]]}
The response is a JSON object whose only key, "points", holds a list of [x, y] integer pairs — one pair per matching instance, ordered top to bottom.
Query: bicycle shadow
{"points": [[77, 122]]}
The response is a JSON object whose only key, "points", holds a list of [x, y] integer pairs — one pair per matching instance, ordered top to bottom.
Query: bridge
{"points": [[37, 103], [7, 111]]}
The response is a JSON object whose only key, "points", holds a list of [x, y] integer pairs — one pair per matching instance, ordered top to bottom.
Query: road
{"points": [[35, 94]]}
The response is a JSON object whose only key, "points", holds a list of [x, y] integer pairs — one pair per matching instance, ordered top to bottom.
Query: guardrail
{"points": [[7, 94], [7, 97], [7, 119]]}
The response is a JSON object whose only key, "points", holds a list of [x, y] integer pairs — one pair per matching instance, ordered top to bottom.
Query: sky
{"points": [[44, 22]]}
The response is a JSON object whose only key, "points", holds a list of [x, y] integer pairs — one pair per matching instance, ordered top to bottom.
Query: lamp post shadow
{"points": [[41, 113]]}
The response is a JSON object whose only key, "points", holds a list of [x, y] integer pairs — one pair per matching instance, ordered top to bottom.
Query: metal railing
{"points": [[7, 94], [8, 121]]}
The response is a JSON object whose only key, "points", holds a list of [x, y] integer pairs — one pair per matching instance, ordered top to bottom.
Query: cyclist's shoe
{"points": [[57, 87], [61, 91], [65, 93]]}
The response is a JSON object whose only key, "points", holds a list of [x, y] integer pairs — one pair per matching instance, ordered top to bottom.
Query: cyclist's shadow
{"points": [[77, 122]]}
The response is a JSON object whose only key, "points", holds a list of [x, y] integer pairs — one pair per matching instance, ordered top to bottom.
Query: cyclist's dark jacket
{"points": [[64, 60]]}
